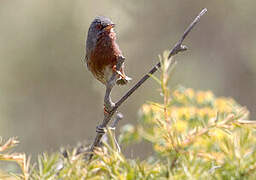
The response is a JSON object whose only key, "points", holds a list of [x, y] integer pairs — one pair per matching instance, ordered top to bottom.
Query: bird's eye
{"points": [[99, 26]]}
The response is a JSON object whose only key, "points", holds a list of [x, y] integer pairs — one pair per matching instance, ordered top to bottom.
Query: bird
{"points": [[103, 52]]}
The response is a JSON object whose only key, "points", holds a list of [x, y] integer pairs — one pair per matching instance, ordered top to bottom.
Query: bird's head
{"points": [[101, 24], [98, 26]]}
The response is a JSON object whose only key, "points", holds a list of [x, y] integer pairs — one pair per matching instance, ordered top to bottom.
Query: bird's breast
{"points": [[104, 56]]}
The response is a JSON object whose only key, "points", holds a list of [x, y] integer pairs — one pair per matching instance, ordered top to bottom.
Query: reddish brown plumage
{"points": [[102, 56]]}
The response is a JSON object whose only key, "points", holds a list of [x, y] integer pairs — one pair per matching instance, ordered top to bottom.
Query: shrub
{"points": [[194, 135]]}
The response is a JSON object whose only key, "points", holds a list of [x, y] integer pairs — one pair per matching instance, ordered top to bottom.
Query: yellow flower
{"points": [[190, 93], [209, 96], [180, 97], [200, 97], [203, 97], [223, 105], [192, 111], [186, 112], [203, 112], [183, 113], [180, 126]]}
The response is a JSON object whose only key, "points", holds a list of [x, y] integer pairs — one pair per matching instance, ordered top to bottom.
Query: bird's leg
{"points": [[108, 104]]}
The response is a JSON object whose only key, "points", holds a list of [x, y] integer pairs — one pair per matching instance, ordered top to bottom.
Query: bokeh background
{"points": [[49, 99]]}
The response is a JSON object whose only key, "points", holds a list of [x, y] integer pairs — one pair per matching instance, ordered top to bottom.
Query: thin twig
{"points": [[175, 50], [119, 117]]}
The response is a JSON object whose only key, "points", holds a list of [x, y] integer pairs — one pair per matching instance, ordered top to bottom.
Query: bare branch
{"points": [[175, 50], [111, 107]]}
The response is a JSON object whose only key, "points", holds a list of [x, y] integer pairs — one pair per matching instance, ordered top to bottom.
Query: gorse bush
{"points": [[194, 135], [197, 135]]}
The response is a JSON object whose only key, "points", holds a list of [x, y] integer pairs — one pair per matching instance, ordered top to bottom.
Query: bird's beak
{"points": [[109, 27]]}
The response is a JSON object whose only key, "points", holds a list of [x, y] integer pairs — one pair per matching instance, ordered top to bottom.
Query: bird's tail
{"points": [[122, 80]]}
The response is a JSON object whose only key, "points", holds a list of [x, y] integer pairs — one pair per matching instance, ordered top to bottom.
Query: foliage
{"points": [[194, 135], [19, 158]]}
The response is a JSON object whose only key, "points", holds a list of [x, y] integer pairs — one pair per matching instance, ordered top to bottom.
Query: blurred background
{"points": [[49, 99]]}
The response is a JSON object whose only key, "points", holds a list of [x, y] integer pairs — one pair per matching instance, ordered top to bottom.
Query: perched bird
{"points": [[102, 51]]}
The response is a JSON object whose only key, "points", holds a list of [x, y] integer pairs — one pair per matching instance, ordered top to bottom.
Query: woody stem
{"points": [[175, 50], [107, 101]]}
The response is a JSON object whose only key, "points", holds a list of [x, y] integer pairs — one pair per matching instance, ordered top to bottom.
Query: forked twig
{"points": [[112, 108]]}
